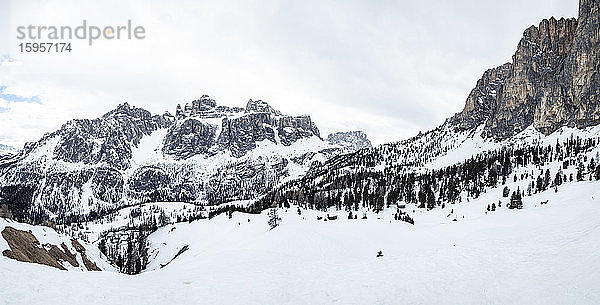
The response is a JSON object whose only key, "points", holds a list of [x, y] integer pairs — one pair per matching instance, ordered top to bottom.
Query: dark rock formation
{"points": [[260, 106], [240, 129], [104, 140]]}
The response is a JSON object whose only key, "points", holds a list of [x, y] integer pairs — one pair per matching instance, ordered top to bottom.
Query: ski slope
{"points": [[543, 254]]}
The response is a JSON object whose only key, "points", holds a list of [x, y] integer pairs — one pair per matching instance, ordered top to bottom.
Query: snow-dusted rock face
{"points": [[551, 82], [235, 129], [189, 138], [108, 139], [350, 140], [5, 150], [206, 154]]}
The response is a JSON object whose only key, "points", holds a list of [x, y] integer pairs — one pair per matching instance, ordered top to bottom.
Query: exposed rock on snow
{"points": [[350, 140], [42, 245]]}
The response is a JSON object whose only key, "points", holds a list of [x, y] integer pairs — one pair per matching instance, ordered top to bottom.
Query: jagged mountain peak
{"points": [[205, 103], [260, 106], [205, 107], [131, 111], [203, 127], [350, 140]]}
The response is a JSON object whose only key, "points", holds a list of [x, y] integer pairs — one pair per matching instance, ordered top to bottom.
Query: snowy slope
{"points": [[474, 144], [123, 218], [543, 254]]}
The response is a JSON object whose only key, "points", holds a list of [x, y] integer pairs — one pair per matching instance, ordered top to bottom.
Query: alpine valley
{"points": [[213, 204]]}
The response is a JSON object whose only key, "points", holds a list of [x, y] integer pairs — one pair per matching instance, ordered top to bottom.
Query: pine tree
{"points": [[580, 170], [547, 179], [558, 179], [505, 192], [422, 198], [430, 198], [515, 200], [274, 219], [102, 245]]}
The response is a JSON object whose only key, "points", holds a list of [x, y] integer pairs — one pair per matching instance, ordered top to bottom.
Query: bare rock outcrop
{"points": [[551, 82]]}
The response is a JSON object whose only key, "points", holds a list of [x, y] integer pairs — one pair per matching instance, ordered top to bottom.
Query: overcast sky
{"points": [[390, 68]]}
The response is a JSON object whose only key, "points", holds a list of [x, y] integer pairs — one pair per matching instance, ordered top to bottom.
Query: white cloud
{"points": [[389, 68]]}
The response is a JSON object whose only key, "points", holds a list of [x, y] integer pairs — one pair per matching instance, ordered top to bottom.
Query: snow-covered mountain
{"points": [[551, 82], [206, 154]]}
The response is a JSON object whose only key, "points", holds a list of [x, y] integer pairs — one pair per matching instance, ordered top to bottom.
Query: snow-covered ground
{"points": [[471, 144], [122, 218], [542, 254]]}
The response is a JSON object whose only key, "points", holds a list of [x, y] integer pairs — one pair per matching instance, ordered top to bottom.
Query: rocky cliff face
{"points": [[551, 82], [235, 129], [107, 140]]}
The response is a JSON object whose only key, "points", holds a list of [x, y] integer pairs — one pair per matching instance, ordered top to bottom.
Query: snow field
{"points": [[543, 254]]}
